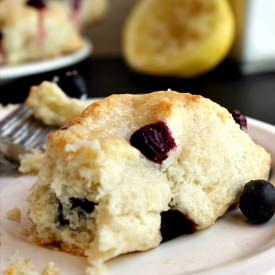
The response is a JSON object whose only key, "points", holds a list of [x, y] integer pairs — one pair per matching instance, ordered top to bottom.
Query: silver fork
{"points": [[20, 132]]}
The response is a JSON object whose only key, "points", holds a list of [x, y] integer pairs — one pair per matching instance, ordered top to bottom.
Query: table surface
{"points": [[254, 94]]}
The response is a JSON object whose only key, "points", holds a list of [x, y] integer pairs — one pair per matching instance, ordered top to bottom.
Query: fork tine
{"points": [[11, 117], [7, 119], [16, 120], [20, 132], [24, 133], [30, 133], [35, 138], [38, 142]]}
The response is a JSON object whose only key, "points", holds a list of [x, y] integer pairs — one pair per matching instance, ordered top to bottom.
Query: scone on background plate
{"points": [[87, 12], [28, 34], [109, 174]]}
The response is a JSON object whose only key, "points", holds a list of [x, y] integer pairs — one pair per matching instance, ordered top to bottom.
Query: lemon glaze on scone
{"points": [[100, 196]]}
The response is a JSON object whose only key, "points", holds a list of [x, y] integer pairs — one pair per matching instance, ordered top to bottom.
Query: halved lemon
{"points": [[178, 37]]}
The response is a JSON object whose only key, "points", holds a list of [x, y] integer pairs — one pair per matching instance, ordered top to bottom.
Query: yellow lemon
{"points": [[178, 37]]}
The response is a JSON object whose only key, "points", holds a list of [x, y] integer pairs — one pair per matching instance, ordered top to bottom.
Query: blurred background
{"points": [[106, 35], [254, 41], [222, 49]]}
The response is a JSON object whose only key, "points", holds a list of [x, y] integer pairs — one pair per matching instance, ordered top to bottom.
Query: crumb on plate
{"points": [[14, 214], [20, 266], [23, 266], [51, 269]]}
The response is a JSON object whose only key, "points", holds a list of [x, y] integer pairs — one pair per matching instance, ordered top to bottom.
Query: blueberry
{"points": [[38, 4], [73, 84], [239, 118], [154, 141], [257, 201], [84, 204], [82, 207], [60, 217], [174, 224]]}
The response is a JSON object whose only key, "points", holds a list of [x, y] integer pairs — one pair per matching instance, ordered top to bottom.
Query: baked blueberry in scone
{"points": [[35, 30], [110, 175]]}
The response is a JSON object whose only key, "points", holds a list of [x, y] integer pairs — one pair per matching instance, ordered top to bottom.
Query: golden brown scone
{"points": [[27, 37], [100, 195]]}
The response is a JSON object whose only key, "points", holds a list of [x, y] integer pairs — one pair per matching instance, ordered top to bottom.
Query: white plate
{"points": [[8, 72], [230, 247]]}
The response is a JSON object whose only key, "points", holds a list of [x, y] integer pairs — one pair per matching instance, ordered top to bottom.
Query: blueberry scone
{"points": [[35, 30], [110, 175]]}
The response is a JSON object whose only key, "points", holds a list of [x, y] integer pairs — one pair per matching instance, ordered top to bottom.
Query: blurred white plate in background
{"points": [[8, 72]]}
